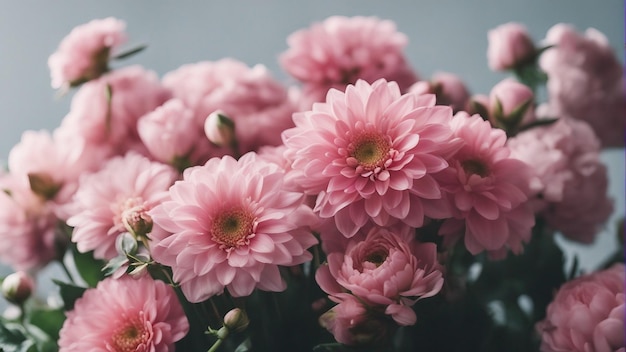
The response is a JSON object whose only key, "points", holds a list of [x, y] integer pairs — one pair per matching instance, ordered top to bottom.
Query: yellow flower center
{"points": [[370, 150], [233, 228], [130, 336]]}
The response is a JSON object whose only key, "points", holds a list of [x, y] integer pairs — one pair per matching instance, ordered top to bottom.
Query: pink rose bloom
{"points": [[509, 46], [341, 50], [84, 54], [586, 82], [448, 87], [134, 92], [257, 103], [511, 105], [369, 154], [570, 181], [130, 183], [488, 190], [231, 226], [385, 272], [587, 314], [125, 315]]}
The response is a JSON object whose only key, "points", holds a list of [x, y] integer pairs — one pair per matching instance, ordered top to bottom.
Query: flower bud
{"points": [[509, 46], [478, 104], [511, 104], [220, 129], [137, 221], [17, 287], [236, 320]]}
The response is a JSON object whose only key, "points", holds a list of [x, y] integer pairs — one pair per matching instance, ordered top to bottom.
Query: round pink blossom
{"points": [[509, 46], [341, 50], [84, 53], [586, 82], [448, 87], [257, 103], [511, 104], [370, 154], [124, 183], [488, 190], [231, 226], [385, 272], [587, 314], [125, 315]]}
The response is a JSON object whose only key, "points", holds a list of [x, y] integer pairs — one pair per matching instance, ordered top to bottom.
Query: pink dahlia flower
{"points": [[509, 46], [341, 50], [84, 53], [586, 82], [258, 104], [370, 154], [125, 186], [488, 190], [231, 226], [385, 272], [587, 314], [142, 315]]}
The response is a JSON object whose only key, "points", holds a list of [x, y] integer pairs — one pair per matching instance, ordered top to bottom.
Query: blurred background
{"points": [[444, 35]]}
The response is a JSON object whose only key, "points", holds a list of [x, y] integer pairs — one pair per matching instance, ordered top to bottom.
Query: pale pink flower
{"points": [[509, 46], [340, 50], [85, 52], [585, 81], [448, 87], [257, 103], [511, 105], [112, 122], [370, 154], [124, 183], [488, 190], [231, 226], [385, 271], [18, 287], [587, 314], [125, 315]]}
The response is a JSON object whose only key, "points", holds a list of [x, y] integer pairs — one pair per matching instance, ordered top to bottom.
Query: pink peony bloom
{"points": [[509, 46], [341, 50], [84, 53], [586, 82], [448, 87], [257, 103], [511, 104], [113, 122], [370, 154], [570, 181], [129, 183], [488, 190], [231, 226], [385, 272], [587, 314], [125, 315]]}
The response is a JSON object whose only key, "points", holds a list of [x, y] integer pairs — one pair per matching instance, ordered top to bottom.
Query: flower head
{"points": [[509, 46], [18, 287]]}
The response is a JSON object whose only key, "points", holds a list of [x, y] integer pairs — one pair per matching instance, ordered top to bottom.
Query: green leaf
{"points": [[130, 52], [114, 264], [90, 269], [69, 293], [49, 321], [13, 339], [245, 346]]}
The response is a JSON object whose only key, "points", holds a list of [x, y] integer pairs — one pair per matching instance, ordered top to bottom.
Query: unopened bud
{"points": [[511, 105], [220, 129], [42, 184], [137, 221], [17, 287], [236, 320]]}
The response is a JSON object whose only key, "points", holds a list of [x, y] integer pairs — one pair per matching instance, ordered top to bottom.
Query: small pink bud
{"points": [[509, 46], [478, 104], [511, 104], [220, 129], [137, 221], [17, 287], [236, 320]]}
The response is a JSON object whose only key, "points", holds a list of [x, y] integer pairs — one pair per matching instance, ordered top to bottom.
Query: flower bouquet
{"points": [[361, 208]]}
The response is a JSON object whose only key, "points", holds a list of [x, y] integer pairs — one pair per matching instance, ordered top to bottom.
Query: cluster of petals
{"points": [[509, 45], [340, 50], [84, 53], [585, 81], [448, 87], [257, 103], [369, 154], [569, 180], [125, 183], [488, 190], [230, 224], [385, 272], [587, 314], [125, 315]]}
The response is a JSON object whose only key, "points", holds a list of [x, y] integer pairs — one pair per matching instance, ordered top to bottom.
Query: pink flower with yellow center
{"points": [[370, 153], [232, 225]]}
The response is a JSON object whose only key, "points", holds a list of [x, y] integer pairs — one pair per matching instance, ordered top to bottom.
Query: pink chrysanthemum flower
{"points": [[341, 50], [84, 53], [370, 154], [124, 188], [488, 190], [232, 225], [121, 315]]}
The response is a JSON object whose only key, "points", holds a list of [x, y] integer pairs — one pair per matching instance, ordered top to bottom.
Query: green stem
{"points": [[67, 271], [216, 345]]}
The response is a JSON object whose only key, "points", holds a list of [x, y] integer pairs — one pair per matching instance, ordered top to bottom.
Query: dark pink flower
{"points": [[509, 45], [125, 314]]}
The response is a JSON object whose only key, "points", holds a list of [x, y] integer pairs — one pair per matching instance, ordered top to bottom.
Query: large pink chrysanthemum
{"points": [[370, 154], [125, 184], [488, 190], [232, 225], [125, 315]]}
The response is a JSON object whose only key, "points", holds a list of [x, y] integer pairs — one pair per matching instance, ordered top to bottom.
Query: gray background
{"points": [[444, 36]]}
